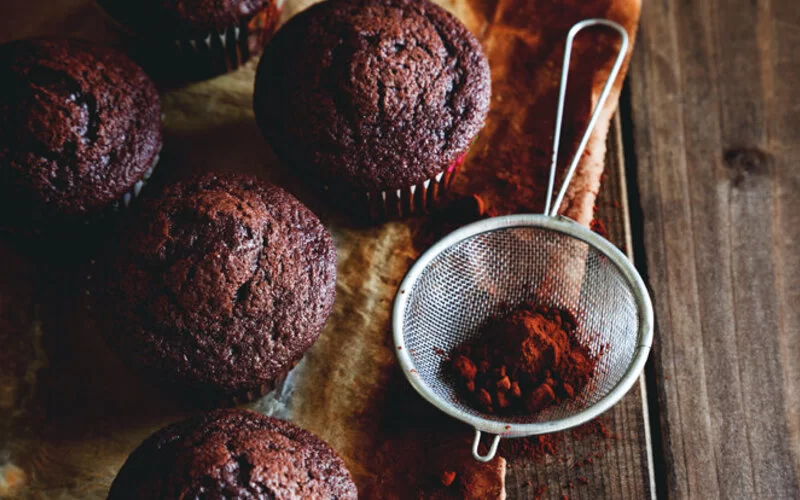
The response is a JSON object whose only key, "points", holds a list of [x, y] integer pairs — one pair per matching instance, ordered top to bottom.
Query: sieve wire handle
{"points": [[612, 77], [492, 449]]}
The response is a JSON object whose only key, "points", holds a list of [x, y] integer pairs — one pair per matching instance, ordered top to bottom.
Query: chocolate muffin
{"points": [[196, 38], [377, 98], [80, 130], [221, 284], [233, 454]]}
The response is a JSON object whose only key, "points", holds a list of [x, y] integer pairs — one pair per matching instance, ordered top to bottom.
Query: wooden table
{"points": [[713, 141], [703, 190]]}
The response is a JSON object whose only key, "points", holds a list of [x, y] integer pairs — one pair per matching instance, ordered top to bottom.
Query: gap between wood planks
{"points": [[636, 252]]}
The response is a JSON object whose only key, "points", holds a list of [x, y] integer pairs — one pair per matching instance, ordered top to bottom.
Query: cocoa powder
{"points": [[524, 362], [594, 436], [448, 477]]}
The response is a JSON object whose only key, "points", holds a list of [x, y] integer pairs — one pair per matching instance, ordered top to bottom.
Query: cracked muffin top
{"points": [[166, 17], [372, 94], [80, 124], [221, 284], [233, 454]]}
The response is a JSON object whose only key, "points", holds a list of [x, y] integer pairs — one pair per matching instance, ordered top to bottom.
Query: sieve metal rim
{"points": [[561, 225]]}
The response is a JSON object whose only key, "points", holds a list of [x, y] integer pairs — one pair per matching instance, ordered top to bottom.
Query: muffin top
{"points": [[168, 17], [372, 94], [80, 124], [221, 284], [233, 454]]}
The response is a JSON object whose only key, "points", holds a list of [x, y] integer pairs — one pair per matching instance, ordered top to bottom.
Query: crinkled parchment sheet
{"points": [[69, 414]]}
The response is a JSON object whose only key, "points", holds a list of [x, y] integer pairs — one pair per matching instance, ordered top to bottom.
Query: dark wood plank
{"points": [[717, 133], [624, 467]]}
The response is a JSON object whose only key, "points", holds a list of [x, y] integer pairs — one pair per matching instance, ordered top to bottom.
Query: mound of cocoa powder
{"points": [[525, 362]]}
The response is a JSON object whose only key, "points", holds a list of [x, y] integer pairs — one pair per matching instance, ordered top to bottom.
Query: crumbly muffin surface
{"points": [[372, 94], [80, 124], [222, 284], [233, 454]]}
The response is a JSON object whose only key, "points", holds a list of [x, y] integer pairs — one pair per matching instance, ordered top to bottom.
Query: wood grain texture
{"points": [[717, 137]]}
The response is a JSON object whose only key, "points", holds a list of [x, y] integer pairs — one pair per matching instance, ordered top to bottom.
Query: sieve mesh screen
{"points": [[491, 273]]}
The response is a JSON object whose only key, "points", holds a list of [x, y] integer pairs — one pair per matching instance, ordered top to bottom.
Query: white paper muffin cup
{"points": [[223, 50], [205, 54], [133, 192], [411, 200], [254, 394]]}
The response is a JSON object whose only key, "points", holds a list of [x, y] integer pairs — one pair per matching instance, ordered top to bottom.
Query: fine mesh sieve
{"points": [[490, 267]]}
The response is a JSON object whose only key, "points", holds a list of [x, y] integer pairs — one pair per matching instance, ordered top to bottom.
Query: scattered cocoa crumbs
{"points": [[457, 213], [599, 227], [524, 362], [593, 428], [593, 435], [535, 447], [448, 477]]}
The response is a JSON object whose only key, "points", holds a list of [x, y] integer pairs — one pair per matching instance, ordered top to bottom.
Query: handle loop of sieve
{"points": [[612, 77], [492, 449]]}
